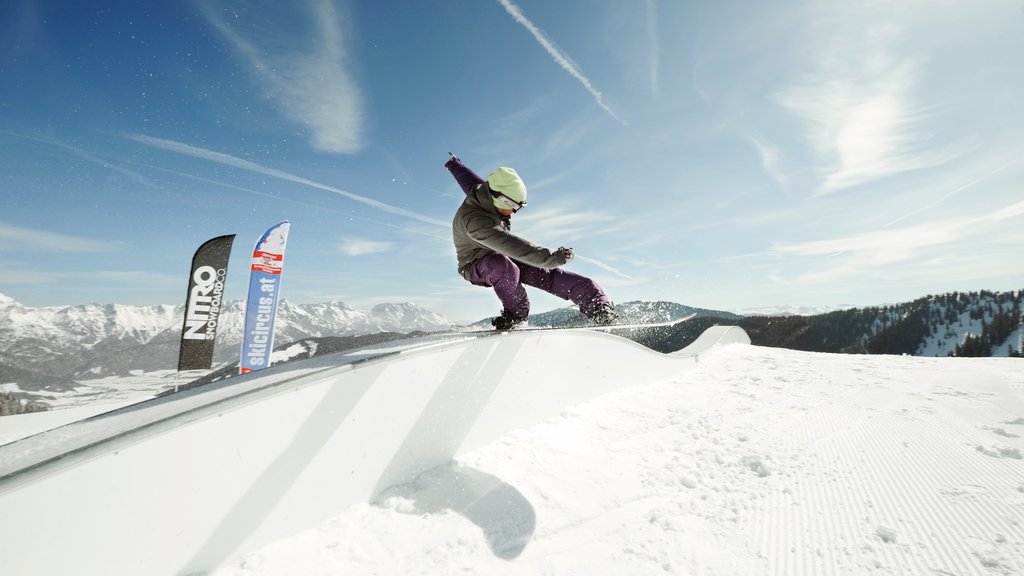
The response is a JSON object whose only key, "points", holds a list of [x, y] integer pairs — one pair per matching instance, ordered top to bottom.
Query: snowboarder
{"points": [[490, 255]]}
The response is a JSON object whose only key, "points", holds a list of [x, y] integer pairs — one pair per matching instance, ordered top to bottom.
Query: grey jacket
{"points": [[479, 230]]}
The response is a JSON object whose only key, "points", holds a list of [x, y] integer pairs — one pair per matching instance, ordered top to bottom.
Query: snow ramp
{"points": [[178, 485]]}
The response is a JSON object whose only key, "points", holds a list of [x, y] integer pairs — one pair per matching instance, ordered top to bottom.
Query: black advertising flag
{"points": [[203, 302]]}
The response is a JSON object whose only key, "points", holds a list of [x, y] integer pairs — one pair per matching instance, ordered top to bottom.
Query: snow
{"points": [[788, 310], [89, 322], [944, 342], [1015, 343], [292, 351], [120, 389], [89, 398], [14, 428], [753, 461], [758, 461]]}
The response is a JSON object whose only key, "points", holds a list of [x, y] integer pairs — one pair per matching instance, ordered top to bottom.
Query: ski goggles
{"points": [[509, 203]]}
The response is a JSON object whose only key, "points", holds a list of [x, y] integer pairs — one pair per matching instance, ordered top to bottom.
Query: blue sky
{"points": [[726, 155]]}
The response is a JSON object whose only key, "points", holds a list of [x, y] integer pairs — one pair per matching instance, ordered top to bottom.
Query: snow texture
{"points": [[759, 461]]}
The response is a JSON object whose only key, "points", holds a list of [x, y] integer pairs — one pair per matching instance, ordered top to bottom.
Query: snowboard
{"points": [[592, 327]]}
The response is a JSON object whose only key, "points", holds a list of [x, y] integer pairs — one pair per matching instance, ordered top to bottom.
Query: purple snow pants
{"points": [[507, 278]]}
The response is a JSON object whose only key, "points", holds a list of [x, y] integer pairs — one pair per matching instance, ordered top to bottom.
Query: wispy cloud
{"points": [[558, 55], [655, 58], [303, 71], [858, 103], [509, 134], [83, 154], [771, 157], [235, 162], [940, 199], [561, 220], [565, 221], [431, 231], [29, 239], [360, 247], [862, 252], [604, 266], [16, 274]]}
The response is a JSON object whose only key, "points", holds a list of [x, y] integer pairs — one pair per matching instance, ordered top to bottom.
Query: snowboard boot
{"points": [[604, 314], [506, 321]]}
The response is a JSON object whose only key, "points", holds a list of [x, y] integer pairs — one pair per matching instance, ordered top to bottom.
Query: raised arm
{"points": [[466, 178]]}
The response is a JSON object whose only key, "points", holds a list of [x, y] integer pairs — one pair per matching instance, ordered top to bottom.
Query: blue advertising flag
{"points": [[261, 304]]}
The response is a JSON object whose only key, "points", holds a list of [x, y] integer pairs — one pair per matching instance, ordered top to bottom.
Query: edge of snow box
{"points": [[180, 488]]}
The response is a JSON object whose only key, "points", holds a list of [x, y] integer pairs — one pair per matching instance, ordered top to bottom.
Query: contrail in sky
{"points": [[652, 31], [560, 58], [305, 73], [84, 155], [228, 160], [947, 195], [42, 240], [603, 266]]}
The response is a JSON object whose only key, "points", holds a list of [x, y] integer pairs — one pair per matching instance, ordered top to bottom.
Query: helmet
{"points": [[506, 185]]}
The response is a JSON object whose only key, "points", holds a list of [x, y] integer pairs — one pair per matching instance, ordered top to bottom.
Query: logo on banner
{"points": [[267, 262], [264, 295], [203, 303], [202, 309], [261, 332]]}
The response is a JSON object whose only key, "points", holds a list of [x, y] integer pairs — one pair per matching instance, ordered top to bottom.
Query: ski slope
{"points": [[736, 460], [758, 462], [179, 485]]}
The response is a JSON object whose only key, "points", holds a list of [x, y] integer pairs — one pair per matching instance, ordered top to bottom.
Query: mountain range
{"points": [[966, 324], [54, 348]]}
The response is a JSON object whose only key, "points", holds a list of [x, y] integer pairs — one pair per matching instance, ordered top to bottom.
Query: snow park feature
{"points": [[609, 328], [735, 460], [759, 461], [184, 483]]}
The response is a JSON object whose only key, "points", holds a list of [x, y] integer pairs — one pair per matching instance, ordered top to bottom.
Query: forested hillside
{"points": [[955, 324]]}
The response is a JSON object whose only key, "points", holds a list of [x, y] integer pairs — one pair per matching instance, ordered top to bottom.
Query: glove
{"points": [[452, 157], [564, 254]]}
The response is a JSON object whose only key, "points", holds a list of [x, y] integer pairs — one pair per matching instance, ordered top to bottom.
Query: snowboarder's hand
{"points": [[452, 158], [564, 254]]}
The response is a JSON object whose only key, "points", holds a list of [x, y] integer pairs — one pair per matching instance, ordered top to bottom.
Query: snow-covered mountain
{"points": [[792, 310], [635, 312], [981, 323], [85, 325], [61, 344], [54, 348]]}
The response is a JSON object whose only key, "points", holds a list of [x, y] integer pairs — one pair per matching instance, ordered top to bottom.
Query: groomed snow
{"points": [[760, 461]]}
